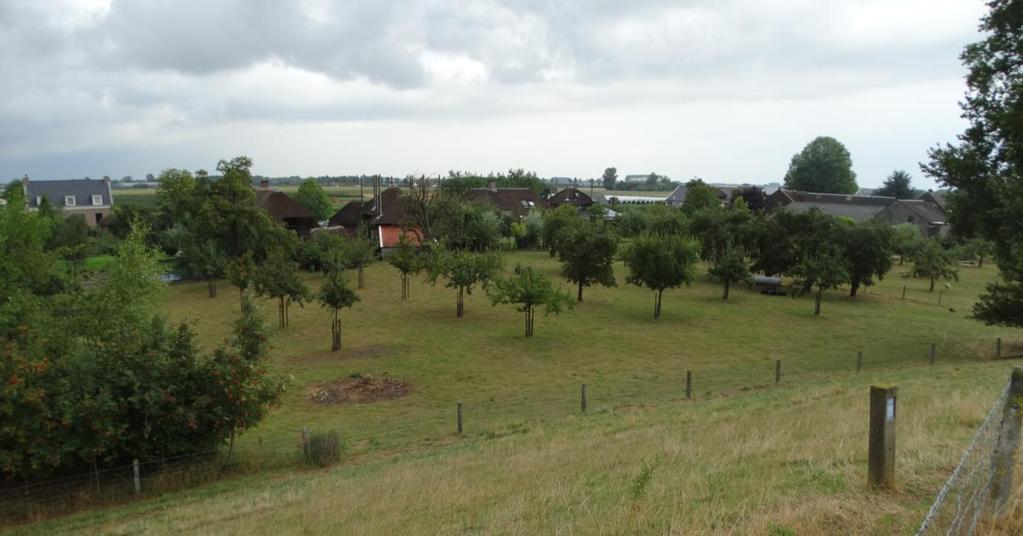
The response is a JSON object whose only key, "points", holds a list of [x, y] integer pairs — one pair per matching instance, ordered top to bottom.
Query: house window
{"points": [[97, 200], [69, 201]]}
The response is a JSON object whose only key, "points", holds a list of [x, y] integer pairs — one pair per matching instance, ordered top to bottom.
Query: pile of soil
{"points": [[358, 390]]}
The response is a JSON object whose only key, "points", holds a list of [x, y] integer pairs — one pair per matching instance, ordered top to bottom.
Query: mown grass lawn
{"points": [[741, 457]]}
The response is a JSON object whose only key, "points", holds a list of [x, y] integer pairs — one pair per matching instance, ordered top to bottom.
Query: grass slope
{"points": [[742, 457]]}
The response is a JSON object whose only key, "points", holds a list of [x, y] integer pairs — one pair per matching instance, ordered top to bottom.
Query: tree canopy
{"points": [[985, 165], [823, 166], [897, 185], [311, 195], [587, 253], [660, 262], [529, 288]]}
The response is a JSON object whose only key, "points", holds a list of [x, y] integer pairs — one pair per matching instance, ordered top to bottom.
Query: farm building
{"points": [[91, 199], [516, 202], [859, 208], [285, 210], [384, 217]]}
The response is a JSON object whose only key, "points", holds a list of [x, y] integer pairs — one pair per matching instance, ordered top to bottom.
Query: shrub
{"points": [[323, 449]]}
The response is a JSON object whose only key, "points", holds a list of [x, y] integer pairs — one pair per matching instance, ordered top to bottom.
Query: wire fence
{"points": [[431, 419], [964, 499]]}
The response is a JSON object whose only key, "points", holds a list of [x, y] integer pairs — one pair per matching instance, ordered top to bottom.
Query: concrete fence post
{"points": [[1008, 443], [881, 448], [135, 472]]}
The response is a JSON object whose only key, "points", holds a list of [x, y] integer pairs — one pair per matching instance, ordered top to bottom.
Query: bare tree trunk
{"points": [[980, 261], [362, 277], [932, 283], [728, 284], [211, 286], [853, 288], [579, 298], [657, 303], [817, 303], [459, 304], [280, 313], [335, 330], [230, 447]]}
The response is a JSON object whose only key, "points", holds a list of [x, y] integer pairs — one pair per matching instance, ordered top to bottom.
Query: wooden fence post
{"points": [[903, 291], [998, 348], [933, 352], [859, 360], [777, 371], [689, 385], [582, 397], [459, 415], [1008, 442], [881, 449], [135, 471]]}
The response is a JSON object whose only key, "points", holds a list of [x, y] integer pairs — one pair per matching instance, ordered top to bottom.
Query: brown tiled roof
{"points": [[571, 196], [517, 201], [280, 206], [350, 215]]}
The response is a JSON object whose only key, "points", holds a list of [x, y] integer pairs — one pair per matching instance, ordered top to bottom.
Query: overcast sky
{"points": [[727, 90]]}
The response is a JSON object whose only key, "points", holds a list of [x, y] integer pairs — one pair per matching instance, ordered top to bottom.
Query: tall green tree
{"points": [[985, 165], [823, 166], [609, 178], [897, 185], [312, 196], [699, 196], [556, 223], [907, 241], [868, 249], [358, 253], [587, 253], [206, 259], [406, 261], [660, 262], [933, 262], [731, 266], [819, 269], [241, 271], [462, 271], [278, 278], [529, 288], [336, 294], [245, 390]]}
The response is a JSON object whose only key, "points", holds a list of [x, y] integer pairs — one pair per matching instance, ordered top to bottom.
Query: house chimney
{"points": [[264, 184], [492, 185]]}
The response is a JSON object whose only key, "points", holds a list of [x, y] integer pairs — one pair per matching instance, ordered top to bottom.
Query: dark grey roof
{"points": [[55, 191], [936, 197], [858, 208], [926, 210]]}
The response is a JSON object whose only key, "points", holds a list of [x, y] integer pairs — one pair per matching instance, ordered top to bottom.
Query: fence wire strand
{"points": [[961, 502]]}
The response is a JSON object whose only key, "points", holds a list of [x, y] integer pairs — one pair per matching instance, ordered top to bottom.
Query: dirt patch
{"points": [[358, 390]]}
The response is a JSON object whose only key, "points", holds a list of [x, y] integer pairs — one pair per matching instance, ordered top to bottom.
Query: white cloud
{"points": [[566, 88]]}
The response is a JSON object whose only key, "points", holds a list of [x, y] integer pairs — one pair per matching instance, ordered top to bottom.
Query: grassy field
{"points": [[745, 456]]}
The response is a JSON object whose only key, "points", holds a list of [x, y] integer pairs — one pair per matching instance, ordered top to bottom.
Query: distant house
{"points": [[570, 196], [677, 197], [936, 197], [91, 199], [515, 202], [859, 208], [285, 210], [928, 216], [384, 217]]}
